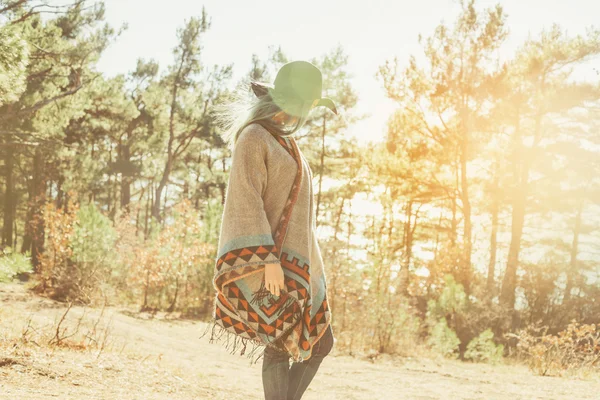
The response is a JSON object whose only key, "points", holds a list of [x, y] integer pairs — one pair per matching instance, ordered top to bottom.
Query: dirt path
{"points": [[154, 359]]}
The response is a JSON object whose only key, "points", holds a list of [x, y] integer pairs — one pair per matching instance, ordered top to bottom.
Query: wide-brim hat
{"points": [[297, 89]]}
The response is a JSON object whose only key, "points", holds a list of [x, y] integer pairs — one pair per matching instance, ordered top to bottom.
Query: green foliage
{"points": [[14, 57], [211, 222], [93, 240], [79, 254], [12, 264], [453, 299], [408, 323], [406, 329], [394, 332], [443, 340], [483, 348]]}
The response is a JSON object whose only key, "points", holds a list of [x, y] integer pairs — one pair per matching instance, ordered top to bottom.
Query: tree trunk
{"points": [[125, 155], [170, 156], [321, 167], [60, 193], [158, 193], [92, 195], [9, 198], [38, 200], [466, 208], [139, 211], [148, 212], [454, 224], [438, 229], [336, 266], [573, 270], [404, 275], [491, 285], [507, 294], [174, 302]]}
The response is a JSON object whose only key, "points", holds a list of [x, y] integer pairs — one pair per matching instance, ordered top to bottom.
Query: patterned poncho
{"points": [[269, 217]]}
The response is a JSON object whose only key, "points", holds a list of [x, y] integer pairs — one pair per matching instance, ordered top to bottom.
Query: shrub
{"points": [[93, 239], [79, 252], [12, 264], [173, 269], [54, 270], [453, 299], [396, 328], [443, 340], [483, 349], [574, 349]]}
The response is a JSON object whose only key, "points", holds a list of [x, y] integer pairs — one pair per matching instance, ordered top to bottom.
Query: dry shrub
{"points": [[129, 239], [78, 257], [56, 268], [173, 270], [379, 323], [397, 328], [76, 332], [23, 342], [573, 350]]}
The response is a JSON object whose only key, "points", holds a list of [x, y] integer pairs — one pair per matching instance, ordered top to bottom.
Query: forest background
{"points": [[457, 193]]}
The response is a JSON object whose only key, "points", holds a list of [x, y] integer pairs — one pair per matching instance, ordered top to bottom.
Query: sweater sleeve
{"points": [[246, 237]]}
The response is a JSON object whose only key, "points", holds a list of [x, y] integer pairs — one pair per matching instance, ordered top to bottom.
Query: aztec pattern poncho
{"points": [[269, 217]]}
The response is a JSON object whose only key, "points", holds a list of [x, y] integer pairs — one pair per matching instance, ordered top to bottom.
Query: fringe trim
{"points": [[234, 342]]}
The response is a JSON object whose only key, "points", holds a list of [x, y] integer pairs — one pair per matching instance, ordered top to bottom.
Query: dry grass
{"points": [[49, 350], [573, 352], [119, 354]]}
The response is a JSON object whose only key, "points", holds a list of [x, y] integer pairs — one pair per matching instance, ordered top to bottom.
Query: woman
{"points": [[269, 275]]}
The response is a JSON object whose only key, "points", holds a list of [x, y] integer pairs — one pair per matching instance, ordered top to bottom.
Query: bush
{"points": [[93, 239], [79, 252], [55, 262], [12, 264], [173, 270], [453, 299], [395, 331], [443, 340], [483, 348], [574, 349]]}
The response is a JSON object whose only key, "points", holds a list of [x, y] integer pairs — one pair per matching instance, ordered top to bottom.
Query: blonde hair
{"points": [[243, 108]]}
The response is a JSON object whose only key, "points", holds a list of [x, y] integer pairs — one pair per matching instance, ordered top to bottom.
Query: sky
{"points": [[371, 32]]}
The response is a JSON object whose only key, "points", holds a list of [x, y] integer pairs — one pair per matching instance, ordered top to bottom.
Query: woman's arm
{"points": [[246, 236]]}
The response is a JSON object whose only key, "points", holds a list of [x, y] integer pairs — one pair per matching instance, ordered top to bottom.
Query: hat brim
{"points": [[261, 89], [327, 102]]}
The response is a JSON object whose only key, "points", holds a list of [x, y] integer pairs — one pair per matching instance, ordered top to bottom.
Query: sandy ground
{"points": [[166, 359]]}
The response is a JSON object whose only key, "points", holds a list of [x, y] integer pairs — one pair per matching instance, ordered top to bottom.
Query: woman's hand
{"points": [[274, 278]]}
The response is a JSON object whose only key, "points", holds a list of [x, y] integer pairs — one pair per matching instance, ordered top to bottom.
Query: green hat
{"points": [[298, 88]]}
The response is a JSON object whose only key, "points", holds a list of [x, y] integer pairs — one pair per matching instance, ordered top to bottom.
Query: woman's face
{"points": [[281, 118]]}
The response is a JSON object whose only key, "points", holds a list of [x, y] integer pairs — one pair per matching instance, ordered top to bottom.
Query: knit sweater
{"points": [[269, 217]]}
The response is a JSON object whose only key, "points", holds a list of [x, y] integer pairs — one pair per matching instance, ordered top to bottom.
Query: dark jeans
{"points": [[282, 382]]}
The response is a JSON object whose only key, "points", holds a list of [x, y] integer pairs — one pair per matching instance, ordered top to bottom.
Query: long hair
{"points": [[243, 108]]}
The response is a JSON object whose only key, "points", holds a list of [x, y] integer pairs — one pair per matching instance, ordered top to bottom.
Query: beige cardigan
{"points": [[269, 217]]}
